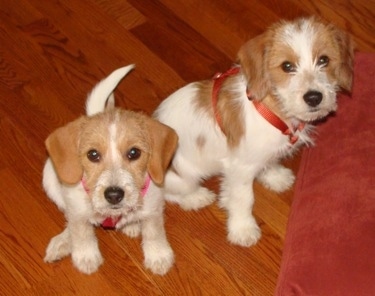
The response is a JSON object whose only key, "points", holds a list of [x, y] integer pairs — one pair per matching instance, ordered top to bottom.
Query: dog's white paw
{"points": [[277, 178], [195, 200], [132, 230], [244, 233], [58, 247], [159, 258], [87, 259]]}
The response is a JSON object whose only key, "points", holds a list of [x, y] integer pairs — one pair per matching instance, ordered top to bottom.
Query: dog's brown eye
{"points": [[323, 61], [288, 67], [133, 153], [93, 155]]}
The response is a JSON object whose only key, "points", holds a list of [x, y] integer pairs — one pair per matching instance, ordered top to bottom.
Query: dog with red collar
{"points": [[240, 124], [107, 168]]}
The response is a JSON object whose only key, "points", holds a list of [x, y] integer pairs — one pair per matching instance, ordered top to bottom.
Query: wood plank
{"points": [[194, 52]]}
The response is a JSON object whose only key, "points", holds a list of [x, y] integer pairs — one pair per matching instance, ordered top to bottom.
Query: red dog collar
{"points": [[267, 114]]}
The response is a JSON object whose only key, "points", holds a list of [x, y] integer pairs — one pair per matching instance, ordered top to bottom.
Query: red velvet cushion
{"points": [[330, 242]]}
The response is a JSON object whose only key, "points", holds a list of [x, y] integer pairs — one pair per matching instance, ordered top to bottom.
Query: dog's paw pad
{"points": [[198, 199], [244, 235], [87, 261]]}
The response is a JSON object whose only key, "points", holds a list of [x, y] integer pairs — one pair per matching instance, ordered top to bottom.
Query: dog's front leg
{"points": [[237, 197], [85, 250], [158, 253]]}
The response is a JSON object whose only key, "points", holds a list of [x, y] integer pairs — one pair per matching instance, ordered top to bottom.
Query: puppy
{"points": [[242, 122], [106, 169]]}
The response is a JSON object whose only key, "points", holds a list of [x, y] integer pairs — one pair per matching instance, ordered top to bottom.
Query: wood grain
{"points": [[52, 53]]}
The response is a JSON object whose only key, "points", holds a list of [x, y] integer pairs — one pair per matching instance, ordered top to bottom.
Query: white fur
{"points": [[103, 91], [83, 213]]}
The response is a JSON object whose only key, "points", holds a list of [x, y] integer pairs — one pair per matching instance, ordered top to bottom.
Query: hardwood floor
{"points": [[52, 53]]}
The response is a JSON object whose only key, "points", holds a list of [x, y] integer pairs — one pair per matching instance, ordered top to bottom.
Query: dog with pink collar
{"points": [[107, 168]]}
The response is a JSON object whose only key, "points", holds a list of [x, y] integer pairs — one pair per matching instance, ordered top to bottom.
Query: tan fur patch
{"points": [[339, 47], [278, 53], [251, 58], [204, 96], [231, 113], [232, 122], [200, 141], [62, 146]]}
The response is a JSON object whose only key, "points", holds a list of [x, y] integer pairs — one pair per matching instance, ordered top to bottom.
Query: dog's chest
{"points": [[263, 142]]}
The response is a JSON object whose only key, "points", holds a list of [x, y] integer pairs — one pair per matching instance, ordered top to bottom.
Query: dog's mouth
{"points": [[314, 114], [123, 210], [116, 212]]}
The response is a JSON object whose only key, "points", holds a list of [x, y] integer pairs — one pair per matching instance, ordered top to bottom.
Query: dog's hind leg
{"points": [[52, 185], [187, 192]]}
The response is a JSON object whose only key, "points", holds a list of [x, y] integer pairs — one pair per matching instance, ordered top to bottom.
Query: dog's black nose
{"points": [[313, 98], [114, 195]]}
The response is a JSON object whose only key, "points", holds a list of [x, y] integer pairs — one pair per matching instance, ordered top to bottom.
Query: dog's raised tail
{"points": [[103, 91]]}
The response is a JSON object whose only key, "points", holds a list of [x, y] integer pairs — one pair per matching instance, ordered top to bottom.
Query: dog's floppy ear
{"points": [[251, 57], [344, 72], [164, 143], [62, 146]]}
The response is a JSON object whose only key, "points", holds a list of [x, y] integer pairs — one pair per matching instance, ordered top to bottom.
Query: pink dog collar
{"points": [[146, 186], [111, 222]]}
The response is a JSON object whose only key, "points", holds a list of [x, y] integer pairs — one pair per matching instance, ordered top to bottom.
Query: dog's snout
{"points": [[313, 98], [114, 195]]}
